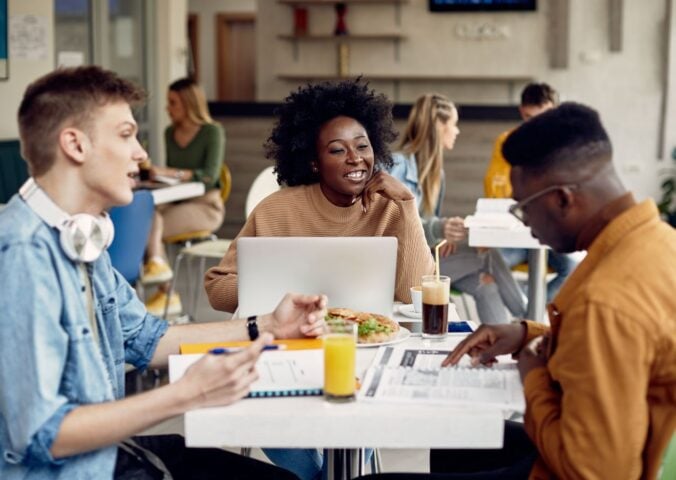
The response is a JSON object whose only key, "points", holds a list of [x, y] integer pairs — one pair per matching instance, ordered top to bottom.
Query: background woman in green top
{"points": [[195, 146]]}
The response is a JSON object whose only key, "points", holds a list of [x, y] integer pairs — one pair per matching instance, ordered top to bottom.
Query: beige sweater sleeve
{"points": [[414, 258]]}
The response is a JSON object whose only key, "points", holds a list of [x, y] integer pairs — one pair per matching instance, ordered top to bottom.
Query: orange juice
{"points": [[340, 350]]}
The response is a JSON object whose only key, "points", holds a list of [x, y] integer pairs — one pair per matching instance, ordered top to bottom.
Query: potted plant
{"points": [[667, 204]]}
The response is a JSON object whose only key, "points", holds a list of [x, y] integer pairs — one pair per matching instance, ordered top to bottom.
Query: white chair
{"points": [[264, 184]]}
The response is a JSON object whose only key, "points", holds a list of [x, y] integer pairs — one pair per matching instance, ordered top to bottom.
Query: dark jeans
{"points": [[512, 462], [192, 463]]}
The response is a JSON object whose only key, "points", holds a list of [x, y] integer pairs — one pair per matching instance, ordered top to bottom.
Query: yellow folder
{"points": [[291, 344]]}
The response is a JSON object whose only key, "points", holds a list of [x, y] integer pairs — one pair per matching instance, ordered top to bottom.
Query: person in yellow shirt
{"points": [[536, 98]]}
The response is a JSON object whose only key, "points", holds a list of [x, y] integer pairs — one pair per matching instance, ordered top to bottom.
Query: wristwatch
{"points": [[252, 327]]}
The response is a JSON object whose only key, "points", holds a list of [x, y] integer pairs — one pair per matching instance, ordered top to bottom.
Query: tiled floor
{"points": [[392, 460]]}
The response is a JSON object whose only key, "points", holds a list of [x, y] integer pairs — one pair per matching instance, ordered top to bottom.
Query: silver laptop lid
{"points": [[354, 272]]}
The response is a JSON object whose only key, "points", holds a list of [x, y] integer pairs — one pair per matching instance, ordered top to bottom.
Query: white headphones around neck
{"points": [[83, 237]]}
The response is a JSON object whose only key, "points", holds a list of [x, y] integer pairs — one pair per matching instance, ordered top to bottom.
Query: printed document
{"points": [[400, 374]]}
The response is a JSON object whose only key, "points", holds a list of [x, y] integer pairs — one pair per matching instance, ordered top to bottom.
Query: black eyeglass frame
{"points": [[517, 209]]}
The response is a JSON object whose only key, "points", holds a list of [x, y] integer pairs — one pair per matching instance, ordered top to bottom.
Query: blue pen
{"points": [[225, 351]]}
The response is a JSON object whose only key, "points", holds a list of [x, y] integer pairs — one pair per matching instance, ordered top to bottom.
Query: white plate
{"points": [[408, 311], [403, 334]]}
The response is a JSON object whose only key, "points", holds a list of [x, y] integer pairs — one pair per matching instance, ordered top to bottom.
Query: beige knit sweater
{"points": [[304, 211]]}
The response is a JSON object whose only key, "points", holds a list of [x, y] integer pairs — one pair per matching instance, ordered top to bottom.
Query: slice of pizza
{"points": [[372, 327]]}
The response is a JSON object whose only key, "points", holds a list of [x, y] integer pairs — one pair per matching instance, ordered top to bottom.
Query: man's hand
{"points": [[387, 186], [298, 315], [488, 342], [533, 355], [222, 379]]}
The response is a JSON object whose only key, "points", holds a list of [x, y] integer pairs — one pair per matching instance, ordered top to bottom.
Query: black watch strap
{"points": [[252, 327]]}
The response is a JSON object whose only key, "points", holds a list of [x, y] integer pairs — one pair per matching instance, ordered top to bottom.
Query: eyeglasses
{"points": [[518, 208]]}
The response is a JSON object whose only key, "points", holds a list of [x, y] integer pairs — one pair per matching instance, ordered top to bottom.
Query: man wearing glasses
{"points": [[600, 383]]}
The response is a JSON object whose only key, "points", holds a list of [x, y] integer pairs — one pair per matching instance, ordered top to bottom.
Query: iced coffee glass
{"points": [[435, 291]]}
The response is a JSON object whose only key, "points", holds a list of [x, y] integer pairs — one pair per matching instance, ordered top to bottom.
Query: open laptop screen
{"points": [[354, 272]]}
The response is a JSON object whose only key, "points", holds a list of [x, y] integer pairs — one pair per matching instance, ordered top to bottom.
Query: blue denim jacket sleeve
{"points": [[405, 169], [30, 329], [141, 331]]}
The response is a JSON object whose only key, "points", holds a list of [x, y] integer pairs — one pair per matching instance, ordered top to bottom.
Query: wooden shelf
{"points": [[333, 2], [341, 38], [408, 77], [511, 82]]}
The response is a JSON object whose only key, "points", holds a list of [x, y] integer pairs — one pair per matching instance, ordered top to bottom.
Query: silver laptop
{"points": [[354, 272]]}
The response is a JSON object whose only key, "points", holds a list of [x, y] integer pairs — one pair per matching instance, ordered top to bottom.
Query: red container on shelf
{"points": [[300, 21]]}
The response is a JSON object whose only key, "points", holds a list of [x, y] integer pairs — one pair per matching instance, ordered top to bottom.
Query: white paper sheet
{"points": [[415, 376]]}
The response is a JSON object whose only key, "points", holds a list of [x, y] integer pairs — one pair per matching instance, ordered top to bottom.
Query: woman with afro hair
{"points": [[331, 149]]}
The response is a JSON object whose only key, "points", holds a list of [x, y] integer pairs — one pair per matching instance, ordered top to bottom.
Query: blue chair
{"points": [[13, 169], [132, 226]]}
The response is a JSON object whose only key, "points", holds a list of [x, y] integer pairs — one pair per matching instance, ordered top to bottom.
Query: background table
{"points": [[173, 193], [537, 261], [311, 422]]}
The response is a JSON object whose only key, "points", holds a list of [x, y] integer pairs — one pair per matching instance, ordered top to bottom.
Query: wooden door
{"points": [[193, 38], [236, 56]]}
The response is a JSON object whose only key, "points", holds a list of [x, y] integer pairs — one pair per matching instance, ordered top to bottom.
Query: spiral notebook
{"points": [[282, 373]]}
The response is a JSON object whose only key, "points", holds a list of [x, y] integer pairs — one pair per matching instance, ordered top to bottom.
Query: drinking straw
{"points": [[436, 256]]}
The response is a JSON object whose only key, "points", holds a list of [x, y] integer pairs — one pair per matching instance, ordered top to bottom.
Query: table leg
{"points": [[537, 270], [355, 462], [344, 464], [335, 468]]}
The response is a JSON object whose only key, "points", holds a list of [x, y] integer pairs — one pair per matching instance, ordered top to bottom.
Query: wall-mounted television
{"points": [[482, 5]]}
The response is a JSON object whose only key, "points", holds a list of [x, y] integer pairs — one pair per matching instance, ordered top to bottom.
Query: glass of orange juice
{"points": [[340, 350]]}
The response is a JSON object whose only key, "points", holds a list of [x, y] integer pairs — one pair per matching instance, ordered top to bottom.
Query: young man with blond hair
{"points": [[70, 322]]}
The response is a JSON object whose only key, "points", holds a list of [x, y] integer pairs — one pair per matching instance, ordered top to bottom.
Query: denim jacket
{"points": [[405, 169], [49, 362]]}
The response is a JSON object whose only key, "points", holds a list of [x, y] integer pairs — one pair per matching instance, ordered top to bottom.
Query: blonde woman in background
{"points": [[432, 128], [195, 146]]}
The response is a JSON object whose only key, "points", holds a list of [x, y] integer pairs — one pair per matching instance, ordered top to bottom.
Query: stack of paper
{"points": [[493, 213], [493, 226]]}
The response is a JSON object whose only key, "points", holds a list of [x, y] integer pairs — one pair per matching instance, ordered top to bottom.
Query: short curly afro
{"points": [[293, 141]]}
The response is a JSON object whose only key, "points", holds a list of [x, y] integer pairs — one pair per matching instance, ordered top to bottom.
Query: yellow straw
{"points": [[436, 255]]}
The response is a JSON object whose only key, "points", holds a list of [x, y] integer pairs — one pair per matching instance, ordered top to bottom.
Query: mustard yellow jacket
{"points": [[496, 179], [605, 405]]}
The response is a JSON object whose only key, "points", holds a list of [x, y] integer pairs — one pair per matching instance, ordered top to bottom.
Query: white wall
{"points": [[207, 11], [168, 55], [23, 72], [626, 87]]}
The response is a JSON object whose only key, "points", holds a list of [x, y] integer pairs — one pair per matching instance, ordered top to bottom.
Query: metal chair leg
{"points": [[172, 283], [197, 289], [465, 305], [245, 451], [357, 462], [376, 462]]}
